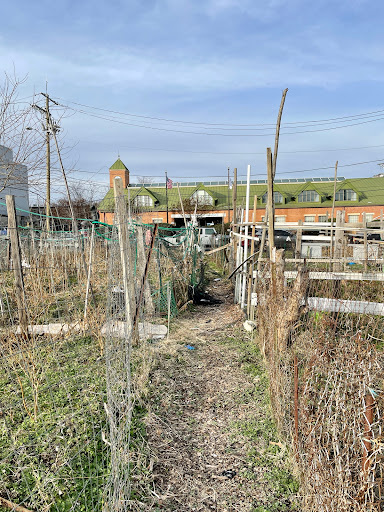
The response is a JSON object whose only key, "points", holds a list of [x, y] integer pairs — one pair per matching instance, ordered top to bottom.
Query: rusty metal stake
{"points": [[145, 276], [296, 398], [368, 420]]}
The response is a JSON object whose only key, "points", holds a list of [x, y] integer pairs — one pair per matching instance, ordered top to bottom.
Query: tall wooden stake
{"points": [[277, 135], [166, 193], [228, 199], [181, 204], [270, 204], [333, 210], [122, 228], [365, 242], [17, 266], [89, 270]]}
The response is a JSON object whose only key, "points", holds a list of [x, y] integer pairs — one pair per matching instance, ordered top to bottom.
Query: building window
{"points": [[346, 194], [308, 196], [201, 197], [277, 197], [143, 201], [369, 217], [279, 218], [309, 218], [323, 218], [353, 218], [262, 219]]}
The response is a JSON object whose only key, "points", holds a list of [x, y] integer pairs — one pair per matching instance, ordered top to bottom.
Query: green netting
{"points": [[161, 300]]}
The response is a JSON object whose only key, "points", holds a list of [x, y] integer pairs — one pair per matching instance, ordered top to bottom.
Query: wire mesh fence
{"points": [[326, 362], [67, 399]]}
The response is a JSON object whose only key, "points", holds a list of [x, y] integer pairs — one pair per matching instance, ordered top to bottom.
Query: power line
{"points": [[272, 125], [157, 128], [245, 152]]}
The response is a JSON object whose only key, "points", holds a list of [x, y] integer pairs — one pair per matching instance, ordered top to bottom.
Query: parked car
{"points": [[207, 237], [358, 238], [283, 239]]}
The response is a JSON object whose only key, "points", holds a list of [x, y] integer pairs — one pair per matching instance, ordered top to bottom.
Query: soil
{"points": [[200, 394]]}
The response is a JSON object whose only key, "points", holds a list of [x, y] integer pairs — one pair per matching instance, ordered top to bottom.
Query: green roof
{"points": [[119, 166], [369, 190]]}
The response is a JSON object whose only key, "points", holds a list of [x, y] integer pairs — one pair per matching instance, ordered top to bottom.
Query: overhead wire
{"points": [[219, 124], [190, 132], [245, 152]]}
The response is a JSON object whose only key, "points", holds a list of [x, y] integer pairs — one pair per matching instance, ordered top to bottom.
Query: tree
{"points": [[20, 134], [84, 202]]}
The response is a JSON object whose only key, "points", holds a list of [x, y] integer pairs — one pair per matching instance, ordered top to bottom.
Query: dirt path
{"points": [[207, 417]]}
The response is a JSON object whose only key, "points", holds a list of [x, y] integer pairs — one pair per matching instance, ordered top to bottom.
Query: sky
{"points": [[211, 73]]}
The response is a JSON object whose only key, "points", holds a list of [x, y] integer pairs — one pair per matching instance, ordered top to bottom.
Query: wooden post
{"points": [[278, 132], [270, 204], [182, 205], [333, 211], [381, 225], [122, 227], [299, 237], [365, 242], [16, 263], [251, 264], [337, 267], [89, 270], [368, 420]]}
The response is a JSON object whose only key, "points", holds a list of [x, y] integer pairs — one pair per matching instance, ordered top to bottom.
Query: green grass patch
{"points": [[261, 434]]}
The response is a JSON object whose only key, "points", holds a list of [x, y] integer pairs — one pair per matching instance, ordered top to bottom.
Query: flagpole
{"points": [[166, 192]]}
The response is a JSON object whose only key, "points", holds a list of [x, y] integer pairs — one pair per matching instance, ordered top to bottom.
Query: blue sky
{"points": [[212, 61]]}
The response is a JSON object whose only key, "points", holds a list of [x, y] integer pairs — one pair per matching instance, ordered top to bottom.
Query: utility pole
{"points": [[49, 127], [48, 200]]}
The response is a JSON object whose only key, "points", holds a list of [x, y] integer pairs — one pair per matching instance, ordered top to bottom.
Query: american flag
{"points": [[169, 183]]}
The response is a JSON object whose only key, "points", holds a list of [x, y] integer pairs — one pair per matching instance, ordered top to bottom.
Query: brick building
{"points": [[309, 200]]}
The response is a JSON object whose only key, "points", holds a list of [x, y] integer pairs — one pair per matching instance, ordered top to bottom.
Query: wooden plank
{"points": [[218, 248], [334, 276], [340, 306]]}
